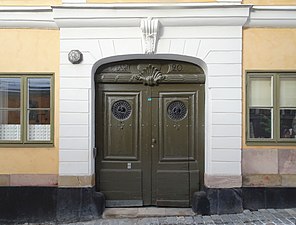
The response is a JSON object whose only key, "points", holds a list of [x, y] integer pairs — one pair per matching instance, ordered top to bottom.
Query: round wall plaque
{"points": [[75, 56]]}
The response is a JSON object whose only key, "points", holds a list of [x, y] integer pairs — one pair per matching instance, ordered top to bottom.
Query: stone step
{"points": [[145, 212]]}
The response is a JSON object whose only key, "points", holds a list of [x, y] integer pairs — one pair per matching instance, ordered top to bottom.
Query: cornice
{"points": [[181, 14], [130, 15], [272, 16], [27, 17]]}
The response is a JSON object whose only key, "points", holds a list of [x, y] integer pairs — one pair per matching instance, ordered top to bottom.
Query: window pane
{"points": [[10, 90], [39, 92], [260, 92], [287, 92], [260, 123], [288, 123], [10, 125], [39, 125]]}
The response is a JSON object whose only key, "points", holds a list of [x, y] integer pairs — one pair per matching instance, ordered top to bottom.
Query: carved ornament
{"points": [[149, 29], [150, 76]]}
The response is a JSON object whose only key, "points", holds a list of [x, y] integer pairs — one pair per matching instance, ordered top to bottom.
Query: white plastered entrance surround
{"points": [[208, 34]]}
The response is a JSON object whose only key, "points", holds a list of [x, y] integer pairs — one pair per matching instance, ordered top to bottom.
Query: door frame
{"points": [[178, 58]]}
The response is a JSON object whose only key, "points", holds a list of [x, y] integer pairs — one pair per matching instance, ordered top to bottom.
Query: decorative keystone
{"points": [[149, 29]]}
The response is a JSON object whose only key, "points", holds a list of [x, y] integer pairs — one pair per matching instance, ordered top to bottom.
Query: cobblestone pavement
{"points": [[262, 216]]}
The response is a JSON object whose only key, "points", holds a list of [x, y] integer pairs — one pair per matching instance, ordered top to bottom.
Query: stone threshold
{"points": [[146, 212]]}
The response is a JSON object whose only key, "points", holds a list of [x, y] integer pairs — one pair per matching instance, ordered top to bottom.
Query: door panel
{"points": [[121, 122], [175, 126], [174, 153], [122, 173], [112, 181], [172, 188]]}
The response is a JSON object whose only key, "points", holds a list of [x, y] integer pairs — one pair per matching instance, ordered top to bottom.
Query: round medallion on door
{"points": [[121, 110], [177, 110]]}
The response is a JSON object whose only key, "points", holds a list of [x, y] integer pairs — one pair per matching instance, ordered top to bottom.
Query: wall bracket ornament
{"points": [[149, 29], [150, 76]]}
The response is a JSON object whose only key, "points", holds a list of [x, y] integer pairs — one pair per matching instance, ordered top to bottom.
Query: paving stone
{"points": [[271, 210], [246, 211], [291, 211], [260, 217], [225, 218], [244, 218], [217, 219], [292, 219], [149, 220], [184, 220], [189, 220], [198, 220], [208, 220], [168, 221], [285, 221], [106, 222], [127, 222]]}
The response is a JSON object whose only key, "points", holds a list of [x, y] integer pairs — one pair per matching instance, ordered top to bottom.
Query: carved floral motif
{"points": [[150, 76]]}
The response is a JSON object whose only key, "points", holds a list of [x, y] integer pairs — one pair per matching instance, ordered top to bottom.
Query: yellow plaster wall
{"points": [[146, 1], [29, 2], [270, 2], [268, 49], [31, 51]]}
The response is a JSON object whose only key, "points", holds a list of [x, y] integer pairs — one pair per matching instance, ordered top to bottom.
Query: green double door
{"points": [[149, 141]]}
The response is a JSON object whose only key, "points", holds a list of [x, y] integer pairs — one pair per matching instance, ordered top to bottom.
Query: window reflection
{"points": [[10, 90], [39, 92], [10, 116], [260, 123], [288, 123]]}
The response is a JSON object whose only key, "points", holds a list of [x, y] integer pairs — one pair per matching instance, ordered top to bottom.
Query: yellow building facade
{"points": [[56, 55]]}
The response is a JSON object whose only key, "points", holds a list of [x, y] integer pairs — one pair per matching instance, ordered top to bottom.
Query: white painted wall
{"points": [[218, 46]]}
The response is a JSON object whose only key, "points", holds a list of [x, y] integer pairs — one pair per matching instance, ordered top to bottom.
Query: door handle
{"points": [[153, 140]]}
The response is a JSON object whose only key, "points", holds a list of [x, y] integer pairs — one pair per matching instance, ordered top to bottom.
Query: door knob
{"points": [[153, 140]]}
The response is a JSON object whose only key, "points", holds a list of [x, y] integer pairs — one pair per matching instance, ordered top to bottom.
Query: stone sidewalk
{"points": [[263, 216]]}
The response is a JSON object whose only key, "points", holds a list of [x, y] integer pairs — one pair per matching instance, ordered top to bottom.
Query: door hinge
{"points": [[95, 152]]}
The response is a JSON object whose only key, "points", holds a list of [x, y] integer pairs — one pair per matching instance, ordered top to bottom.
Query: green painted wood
{"points": [[176, 155], [151, 156]]}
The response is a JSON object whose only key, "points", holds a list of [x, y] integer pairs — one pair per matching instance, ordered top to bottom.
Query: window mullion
{"points": [[52, 97], [276, 103], [25, 108]]}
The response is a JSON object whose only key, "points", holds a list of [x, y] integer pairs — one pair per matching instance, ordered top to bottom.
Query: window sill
{"points": [[27, 145]]}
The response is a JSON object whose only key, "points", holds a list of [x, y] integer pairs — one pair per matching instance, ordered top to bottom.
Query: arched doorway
{"points": [[149, 132]]}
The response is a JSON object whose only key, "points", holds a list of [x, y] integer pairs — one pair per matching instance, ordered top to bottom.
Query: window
{"points": [[271, 107], [26, 109]]}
